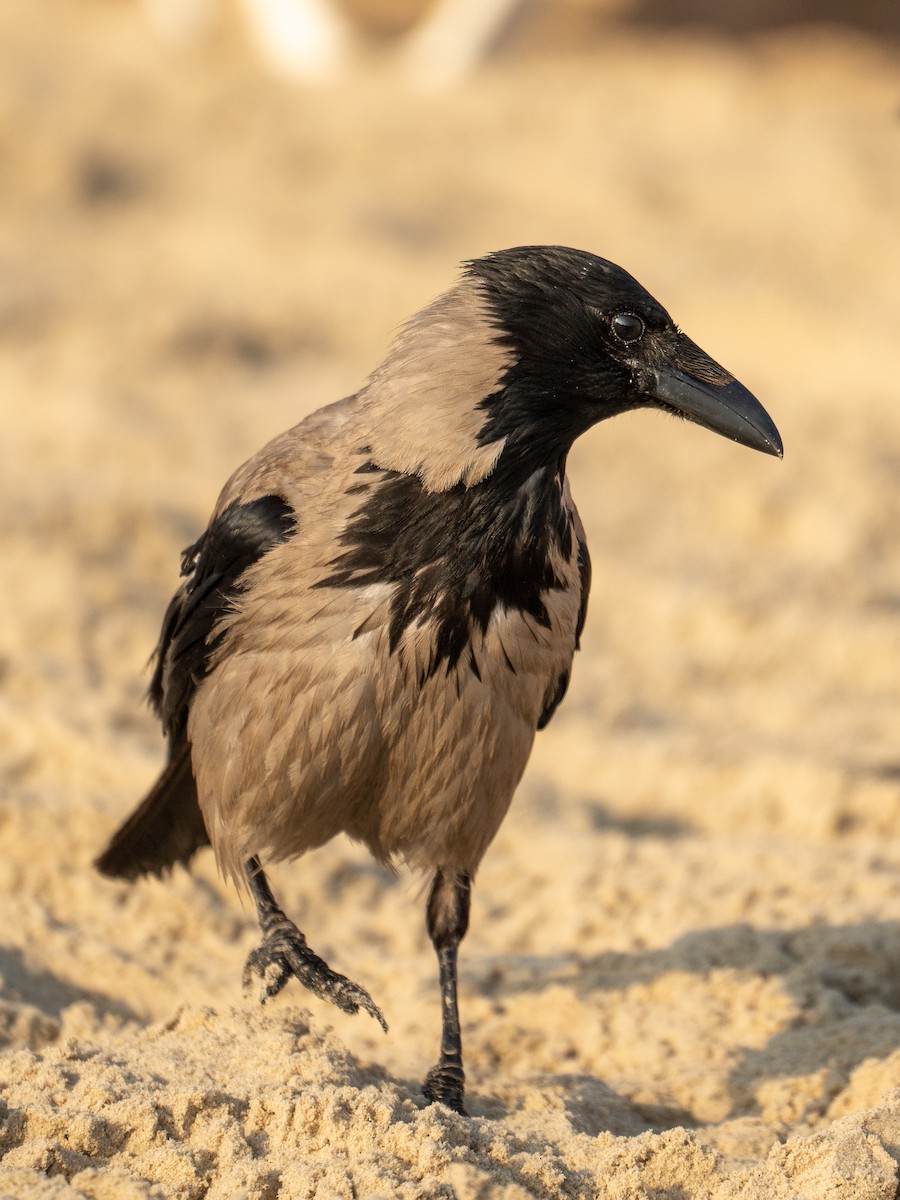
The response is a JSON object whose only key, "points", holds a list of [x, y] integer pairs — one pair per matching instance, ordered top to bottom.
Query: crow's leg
{"points": [[448, 920], [284, 953]]}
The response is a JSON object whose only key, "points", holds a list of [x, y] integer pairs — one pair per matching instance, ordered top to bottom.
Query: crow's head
{"points": [[587, 342], [533, 347]]}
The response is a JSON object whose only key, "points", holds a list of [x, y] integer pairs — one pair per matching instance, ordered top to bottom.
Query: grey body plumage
{"points": [[385, 606]]}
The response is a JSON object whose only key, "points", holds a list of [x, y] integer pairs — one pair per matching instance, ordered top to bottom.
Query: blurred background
{"points": [[201, 241]]}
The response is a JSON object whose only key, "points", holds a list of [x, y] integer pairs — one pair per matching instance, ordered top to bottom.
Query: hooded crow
{"points": [[386, 603]]}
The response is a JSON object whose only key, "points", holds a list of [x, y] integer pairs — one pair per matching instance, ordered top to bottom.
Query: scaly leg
{"points": [[448, 920], [284, 953]]}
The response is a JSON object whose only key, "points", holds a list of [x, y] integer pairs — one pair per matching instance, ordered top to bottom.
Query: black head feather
{"points": [[589, 342]]}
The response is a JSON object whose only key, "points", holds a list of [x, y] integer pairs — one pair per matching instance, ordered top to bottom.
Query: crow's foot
{"points": [[284, 954], [446, 1084]]}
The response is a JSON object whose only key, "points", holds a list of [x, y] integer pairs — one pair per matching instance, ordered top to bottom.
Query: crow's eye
{"points": [[627, 327]]}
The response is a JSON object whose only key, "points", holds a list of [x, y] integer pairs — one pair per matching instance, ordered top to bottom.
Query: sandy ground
{"points": [[683, 974]]}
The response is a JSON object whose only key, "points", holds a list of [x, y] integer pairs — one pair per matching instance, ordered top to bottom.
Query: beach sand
{"points": [[682, 978]]}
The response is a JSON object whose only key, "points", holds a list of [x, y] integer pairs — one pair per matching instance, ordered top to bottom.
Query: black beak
{"points": [[726, 408]]}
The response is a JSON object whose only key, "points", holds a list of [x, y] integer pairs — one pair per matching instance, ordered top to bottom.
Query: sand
{"points": [[682, 979]]}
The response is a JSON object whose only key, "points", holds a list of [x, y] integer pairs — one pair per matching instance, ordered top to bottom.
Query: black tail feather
{"points": [[165, 829]]}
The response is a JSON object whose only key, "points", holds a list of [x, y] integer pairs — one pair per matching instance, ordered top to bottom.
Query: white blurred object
{"points": [[455, 36], [302, 39], [312, 41]]}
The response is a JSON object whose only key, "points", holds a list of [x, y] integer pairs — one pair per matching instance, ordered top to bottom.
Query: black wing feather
{"points": [[238, 537], [584, 570], [562, 686], [167, 827]]}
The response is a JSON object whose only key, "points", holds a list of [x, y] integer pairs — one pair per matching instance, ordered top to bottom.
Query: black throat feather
{"points": [[454, 557]]}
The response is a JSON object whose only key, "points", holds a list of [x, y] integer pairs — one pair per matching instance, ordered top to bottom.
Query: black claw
{"points": [[284, 954], [271, 969], [445, 1084]]}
